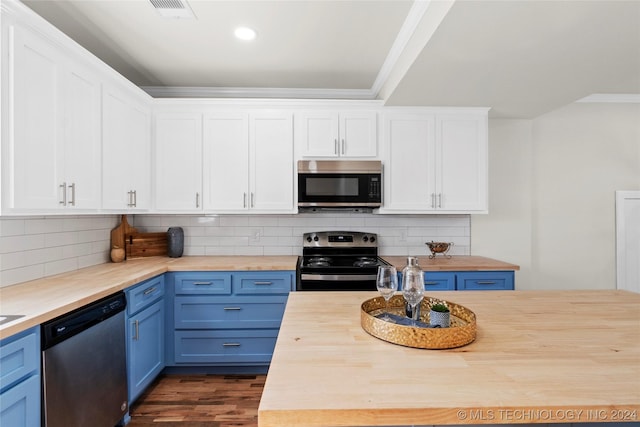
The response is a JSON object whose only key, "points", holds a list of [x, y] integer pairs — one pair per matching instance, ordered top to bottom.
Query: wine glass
{"points": [[387, 283], [413, 291]]}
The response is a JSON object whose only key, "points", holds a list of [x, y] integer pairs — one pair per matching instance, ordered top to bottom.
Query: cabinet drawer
{"points": [[485, 280], [435, 281], [262, 282], [203, 283], [144, 294], [228, 313], [227, 347], [19, 357], [20, 405]]}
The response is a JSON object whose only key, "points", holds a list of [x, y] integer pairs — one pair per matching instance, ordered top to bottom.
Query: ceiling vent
{"points": [[173, 8]]}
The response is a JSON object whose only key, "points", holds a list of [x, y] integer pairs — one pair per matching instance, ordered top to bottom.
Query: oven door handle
{"points": [[338, 277]]}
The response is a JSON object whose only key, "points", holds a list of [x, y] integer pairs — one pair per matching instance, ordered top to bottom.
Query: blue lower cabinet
{"points": [[439, 281], [485, 281], [237, 326], [145, 334], [231, 347], [20, 387]]}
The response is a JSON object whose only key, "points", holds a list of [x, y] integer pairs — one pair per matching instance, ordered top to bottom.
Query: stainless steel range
{"points": [[338, 261]]}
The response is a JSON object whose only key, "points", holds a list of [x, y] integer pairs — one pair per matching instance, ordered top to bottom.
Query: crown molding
{"points": [[256, 92], [620, 98]]}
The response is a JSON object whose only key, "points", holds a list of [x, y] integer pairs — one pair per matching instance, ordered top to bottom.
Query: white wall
{"points": [[580, 155]]}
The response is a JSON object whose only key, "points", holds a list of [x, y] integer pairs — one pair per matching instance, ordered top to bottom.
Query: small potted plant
{"points": [[439, 315]]}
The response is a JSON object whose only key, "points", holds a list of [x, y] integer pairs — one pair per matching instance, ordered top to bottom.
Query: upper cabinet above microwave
{"points": [[338, 134]]}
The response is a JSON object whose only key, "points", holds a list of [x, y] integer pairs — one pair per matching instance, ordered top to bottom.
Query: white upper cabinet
{"points": [[338, 134], [52, 151], [126, 154], [178, 162], [248, 162], [435, 163]]}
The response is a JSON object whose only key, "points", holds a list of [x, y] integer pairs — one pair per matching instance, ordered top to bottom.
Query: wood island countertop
{"points": [[539, 357]]}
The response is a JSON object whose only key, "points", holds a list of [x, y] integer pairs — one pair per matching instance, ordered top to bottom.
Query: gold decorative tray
{"points": [[461, 332]]}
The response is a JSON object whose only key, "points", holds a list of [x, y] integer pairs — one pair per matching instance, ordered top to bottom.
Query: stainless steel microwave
{"points": [[336, 184]]}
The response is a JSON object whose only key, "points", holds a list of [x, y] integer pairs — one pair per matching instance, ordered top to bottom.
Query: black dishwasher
{"points": [[84, 366]]}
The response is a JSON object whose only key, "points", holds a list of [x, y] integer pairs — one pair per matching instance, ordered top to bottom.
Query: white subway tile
{"points": [[44, 225], [11, 227], [60, 239], [21, 243], [93, 259], [60, 266], [18, 275]]}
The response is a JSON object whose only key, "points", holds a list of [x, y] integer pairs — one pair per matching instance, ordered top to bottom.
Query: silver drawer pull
{"points": [[486, 282], [203, 283], [263, 283], [430, 283], [149, 290], [232, 308], [136, 325], [231, 344]]}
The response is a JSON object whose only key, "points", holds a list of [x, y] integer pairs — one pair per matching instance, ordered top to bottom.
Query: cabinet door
{"points": [[319, 134], [358, 135], [82, 142], [34, 151], [125, 152], [409, 157], [178, 162], [226, 162], [271, 162], [461, 166], [145, 351], [20, 405]]}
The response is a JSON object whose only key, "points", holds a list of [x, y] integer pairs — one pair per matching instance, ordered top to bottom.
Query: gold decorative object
{"points": [[439, 248], [462, 330]]}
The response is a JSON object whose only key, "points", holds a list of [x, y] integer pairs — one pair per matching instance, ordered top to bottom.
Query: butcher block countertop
{"points": [[455, 263], [44, 299], [539, 357]]}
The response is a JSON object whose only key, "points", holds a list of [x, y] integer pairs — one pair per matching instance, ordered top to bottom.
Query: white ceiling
{"points": [[522, 58]]}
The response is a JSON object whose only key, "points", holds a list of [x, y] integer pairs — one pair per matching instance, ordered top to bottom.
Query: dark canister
{"points": [[175, 242]]}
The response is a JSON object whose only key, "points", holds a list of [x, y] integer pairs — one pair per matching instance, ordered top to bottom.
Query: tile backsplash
{"points": [[282, 234], [35, 247]]}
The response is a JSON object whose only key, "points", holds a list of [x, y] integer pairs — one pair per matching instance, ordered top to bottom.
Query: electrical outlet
{"points": [[255, 235], [403, 235]]}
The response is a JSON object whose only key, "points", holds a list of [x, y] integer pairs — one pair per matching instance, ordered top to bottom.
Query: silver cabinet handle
{"points": [[335, 147], [344, 147], [73, 194], [135, 198], [197, 200], [244, 200], [433, 200], [439, 200], [63, 202], [130, 202], [253, 204], [486, 282], [202, 283], [263, 283], [430, 283], [149, 290], [232, 308], [136, 325], [231, 344]]}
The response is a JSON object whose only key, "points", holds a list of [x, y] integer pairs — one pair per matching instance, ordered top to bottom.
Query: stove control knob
{"points": [[308, 238], [315, 238], [365, 238], [373, 239]]}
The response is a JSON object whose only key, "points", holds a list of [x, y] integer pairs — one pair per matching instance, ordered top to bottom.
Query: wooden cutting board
{"points": [[118, 233], [145, 244]]}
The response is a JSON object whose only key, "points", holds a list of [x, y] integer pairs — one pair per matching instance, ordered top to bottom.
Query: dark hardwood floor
{"points": [[199, 401]]}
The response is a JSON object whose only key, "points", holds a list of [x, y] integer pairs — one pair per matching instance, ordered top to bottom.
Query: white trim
{"points": [[409, 26], [255, 92], [623, 98], [623, 235]]}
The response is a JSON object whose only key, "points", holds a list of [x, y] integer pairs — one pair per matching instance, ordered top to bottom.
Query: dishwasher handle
{"points": [[70, 324]]}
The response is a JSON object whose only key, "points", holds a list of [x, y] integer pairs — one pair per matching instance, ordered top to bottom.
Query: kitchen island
{"points": [[539, 357]]}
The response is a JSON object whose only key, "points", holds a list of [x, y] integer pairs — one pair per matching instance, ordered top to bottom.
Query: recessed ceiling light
{"points": [[245, 33]]}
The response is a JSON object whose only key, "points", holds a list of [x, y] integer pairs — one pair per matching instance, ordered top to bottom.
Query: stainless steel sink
{"points": [[9, 318]]}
